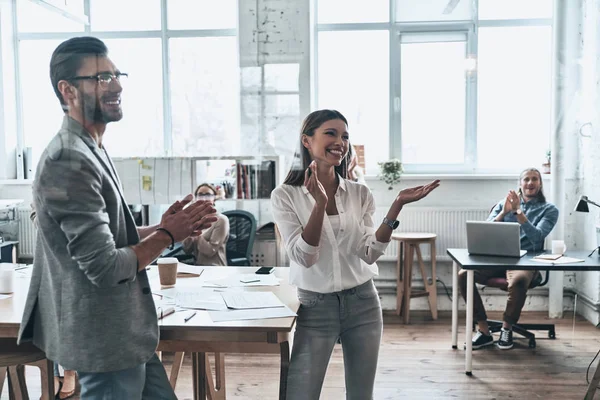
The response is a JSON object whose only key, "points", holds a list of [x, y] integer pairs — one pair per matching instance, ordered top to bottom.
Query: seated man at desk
{"points": [[528, 207], [209, 247]]}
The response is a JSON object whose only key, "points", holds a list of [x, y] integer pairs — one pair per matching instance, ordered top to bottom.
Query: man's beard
{"points": [[92, 110]]}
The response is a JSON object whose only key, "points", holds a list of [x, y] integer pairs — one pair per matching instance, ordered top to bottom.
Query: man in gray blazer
{"points": [[90, 306]]}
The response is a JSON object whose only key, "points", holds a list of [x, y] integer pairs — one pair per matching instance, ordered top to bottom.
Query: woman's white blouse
{"points": [[334, 220], [341, 261]]}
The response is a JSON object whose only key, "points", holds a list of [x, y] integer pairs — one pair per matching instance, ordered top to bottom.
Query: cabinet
{"points": [[164, 180]]}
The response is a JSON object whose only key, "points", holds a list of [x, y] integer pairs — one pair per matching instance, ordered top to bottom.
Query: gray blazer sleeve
{"points": [[72, 195]]}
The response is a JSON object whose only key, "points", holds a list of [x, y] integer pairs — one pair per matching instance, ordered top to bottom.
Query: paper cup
{"points": [[167, 271]]}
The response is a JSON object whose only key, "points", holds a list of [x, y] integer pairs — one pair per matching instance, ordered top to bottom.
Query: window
{"points": [[515, 9], [433, 10], [347, 11], [202, 14], [116, 15], [32, 17], [353, 78], [454, 82], [514, 95], [204, 96], [433, 98], [271, 109], [194, 113], [42, 115], [140, 132]]}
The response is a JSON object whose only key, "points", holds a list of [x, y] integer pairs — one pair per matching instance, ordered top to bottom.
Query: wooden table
{"points": [[200, 334]]}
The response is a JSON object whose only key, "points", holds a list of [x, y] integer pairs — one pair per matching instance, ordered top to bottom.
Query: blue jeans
{"points": [[354, 315], [146, 381]]}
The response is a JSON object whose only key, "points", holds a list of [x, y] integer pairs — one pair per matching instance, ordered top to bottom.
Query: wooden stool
{"points": [[408, 246], [13, 358]]}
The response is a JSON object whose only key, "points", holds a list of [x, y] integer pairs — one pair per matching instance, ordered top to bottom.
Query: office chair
{"points": [[242, 229], [179, 254], [522, 329]]}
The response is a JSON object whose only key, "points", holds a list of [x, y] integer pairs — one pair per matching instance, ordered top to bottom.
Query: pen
{"points": [[256, 280], [186, 319]]}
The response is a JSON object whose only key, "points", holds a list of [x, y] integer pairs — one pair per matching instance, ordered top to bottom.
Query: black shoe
{"points": [[506, 339], [481, 340]]}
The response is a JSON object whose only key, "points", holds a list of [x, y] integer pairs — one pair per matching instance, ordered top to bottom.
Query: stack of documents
{"points": [[556, 259]]}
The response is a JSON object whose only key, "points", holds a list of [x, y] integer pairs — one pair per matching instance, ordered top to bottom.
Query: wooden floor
{"points": [[417, 362]]}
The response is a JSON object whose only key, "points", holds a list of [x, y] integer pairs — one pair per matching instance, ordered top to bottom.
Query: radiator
{"points": [[449, 224], [26, 234]]}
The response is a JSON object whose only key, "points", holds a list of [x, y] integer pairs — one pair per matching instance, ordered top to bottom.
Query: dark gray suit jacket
{"points": [[88, 308]]}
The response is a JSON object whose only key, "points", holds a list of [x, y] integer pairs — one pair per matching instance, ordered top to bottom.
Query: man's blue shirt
{"points": [[541, 218]]}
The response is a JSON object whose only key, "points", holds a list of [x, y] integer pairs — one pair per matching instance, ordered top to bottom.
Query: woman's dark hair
{"points": [[68, 57], [313, 121], [208, 185], [540, 195]]}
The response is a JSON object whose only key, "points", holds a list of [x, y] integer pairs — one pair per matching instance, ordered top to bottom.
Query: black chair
{"points": [[242, 229], [179, 254], [522, 329]]}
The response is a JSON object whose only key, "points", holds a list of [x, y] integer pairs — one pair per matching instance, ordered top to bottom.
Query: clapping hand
{"points": [[315, 188], [416, 193], [512, 202], [185, 217]]}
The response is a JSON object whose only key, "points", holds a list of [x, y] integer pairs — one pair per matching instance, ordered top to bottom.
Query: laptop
{"points": [[494, 239]]}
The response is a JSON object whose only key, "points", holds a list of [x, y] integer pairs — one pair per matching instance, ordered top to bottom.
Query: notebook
{"points": [[494, 239]]}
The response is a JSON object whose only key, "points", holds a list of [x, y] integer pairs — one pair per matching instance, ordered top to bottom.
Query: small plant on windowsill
{"points": [[546, 165], [390, 172]]}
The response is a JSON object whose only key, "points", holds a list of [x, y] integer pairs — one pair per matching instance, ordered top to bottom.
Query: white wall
{"points": [[588, 142]]}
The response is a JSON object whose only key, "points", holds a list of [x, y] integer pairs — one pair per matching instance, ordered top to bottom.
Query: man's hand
{"points": [[512, 202], [185, 217]]}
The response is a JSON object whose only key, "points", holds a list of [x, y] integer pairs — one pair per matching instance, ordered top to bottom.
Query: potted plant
{"points": [[546, 165], [390, 172]]}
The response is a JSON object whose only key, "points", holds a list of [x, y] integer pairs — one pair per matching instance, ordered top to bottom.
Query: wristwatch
{"points": [[518, 211], [391, 223]]}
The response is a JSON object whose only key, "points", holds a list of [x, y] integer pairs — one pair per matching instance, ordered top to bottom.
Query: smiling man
{"points": [[537, 217], [89, 305]]}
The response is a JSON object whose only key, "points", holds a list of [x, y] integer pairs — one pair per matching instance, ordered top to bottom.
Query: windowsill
{"points": [[452, 176], [14, 182]]}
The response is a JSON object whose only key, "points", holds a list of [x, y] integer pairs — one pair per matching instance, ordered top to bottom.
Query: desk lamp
{"points": [[582, 206]]}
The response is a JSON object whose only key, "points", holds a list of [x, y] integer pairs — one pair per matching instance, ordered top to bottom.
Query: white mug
{"points": [[559, 247], [6, 278]]}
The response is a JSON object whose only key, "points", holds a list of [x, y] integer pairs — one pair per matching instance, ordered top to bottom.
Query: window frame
{"points": [[396, 30]]}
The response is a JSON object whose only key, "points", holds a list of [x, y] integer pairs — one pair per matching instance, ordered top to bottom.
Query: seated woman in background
{"points": [[209, 247]]}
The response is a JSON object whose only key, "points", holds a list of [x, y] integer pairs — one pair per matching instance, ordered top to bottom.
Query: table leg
{"points": [[408, 264], [399, 278], [454, 305], [469, 324], [285, 366], [199, 375], [589, 395]]}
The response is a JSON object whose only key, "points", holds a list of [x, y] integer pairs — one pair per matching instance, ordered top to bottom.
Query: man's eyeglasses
{"points": [[104, 79]]}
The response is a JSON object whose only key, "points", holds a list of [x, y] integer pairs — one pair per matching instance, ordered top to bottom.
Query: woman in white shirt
{"points": [[326, 223], [209, 248]]}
